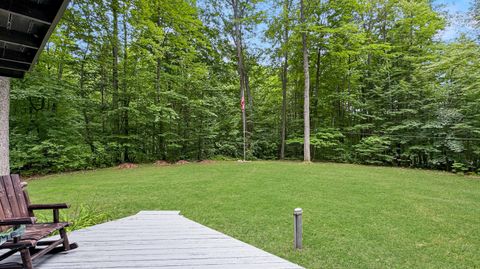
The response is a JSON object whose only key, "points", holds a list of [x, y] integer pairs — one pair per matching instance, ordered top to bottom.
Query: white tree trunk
{"points": [[306, 106], [4, 122]]}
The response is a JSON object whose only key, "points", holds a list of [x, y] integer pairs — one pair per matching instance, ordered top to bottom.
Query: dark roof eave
{"points": [[57, 18], [25, 28]]}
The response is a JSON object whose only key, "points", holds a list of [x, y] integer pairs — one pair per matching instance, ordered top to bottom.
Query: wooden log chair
{"points": [[16, 210]]}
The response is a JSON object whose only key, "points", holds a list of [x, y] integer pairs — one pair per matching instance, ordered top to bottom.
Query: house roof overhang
{"points": [[25, 27]]}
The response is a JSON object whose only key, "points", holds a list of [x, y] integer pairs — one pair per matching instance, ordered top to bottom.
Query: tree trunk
{"points": [[114, 7], [286, 11], [240, 66], [103, 85], [316, 89], [84, 95], [125, 97], [306, 99], [284, 105], [4, 126], [158, 130]]}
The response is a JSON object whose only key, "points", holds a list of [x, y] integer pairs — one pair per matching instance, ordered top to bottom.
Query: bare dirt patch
{"points": [[182, 162], [161, 163], [127, 166]]}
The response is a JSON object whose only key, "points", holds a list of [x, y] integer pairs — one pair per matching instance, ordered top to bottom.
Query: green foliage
{"points": [[161, 83], [328, 144], [373, 150], [48, 157], [222, 158], [459, 168], [86, 215], [81, 216]]}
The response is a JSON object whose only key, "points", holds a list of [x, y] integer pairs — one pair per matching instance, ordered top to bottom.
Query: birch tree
{"points": [[306, 94], [4, 126]]}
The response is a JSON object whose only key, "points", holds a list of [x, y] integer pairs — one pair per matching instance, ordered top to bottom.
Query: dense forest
{"points": [[146, 80]]}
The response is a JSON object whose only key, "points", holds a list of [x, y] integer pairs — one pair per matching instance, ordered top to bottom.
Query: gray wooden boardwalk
{"points": [[159, 239]]}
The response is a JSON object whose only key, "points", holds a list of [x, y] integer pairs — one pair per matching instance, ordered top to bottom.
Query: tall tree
{"points": [[115, 9], [236, 18], [285, 42], [242, 72], [306, 93], [125, 94], [4, 127]]}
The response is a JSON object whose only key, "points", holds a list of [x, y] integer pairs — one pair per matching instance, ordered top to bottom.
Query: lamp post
{"points": [[297, 228]]}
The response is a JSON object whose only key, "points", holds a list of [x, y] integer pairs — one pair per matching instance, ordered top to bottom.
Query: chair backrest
{"points": [[13, 203]]}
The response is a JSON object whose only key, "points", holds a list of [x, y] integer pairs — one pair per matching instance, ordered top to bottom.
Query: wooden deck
{"points": [[159, 239]]}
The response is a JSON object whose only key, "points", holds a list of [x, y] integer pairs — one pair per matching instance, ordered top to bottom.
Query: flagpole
{"points": [[244, 118], [244, 138]]}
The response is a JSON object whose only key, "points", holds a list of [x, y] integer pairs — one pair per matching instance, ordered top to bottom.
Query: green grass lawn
{"points": [[354, 216]]}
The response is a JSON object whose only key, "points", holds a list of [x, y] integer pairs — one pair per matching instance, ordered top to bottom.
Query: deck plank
{"points": [[159, 239]]}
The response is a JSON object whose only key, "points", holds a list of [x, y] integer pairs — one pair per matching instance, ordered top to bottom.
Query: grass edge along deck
{"points": [[159, 239]]}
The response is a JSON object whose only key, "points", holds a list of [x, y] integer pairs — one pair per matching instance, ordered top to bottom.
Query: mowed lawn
{"points": [[354, 216]]}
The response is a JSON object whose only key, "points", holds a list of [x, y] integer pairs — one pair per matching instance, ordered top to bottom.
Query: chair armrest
{"points": [[47, 206], [17, 221]]}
